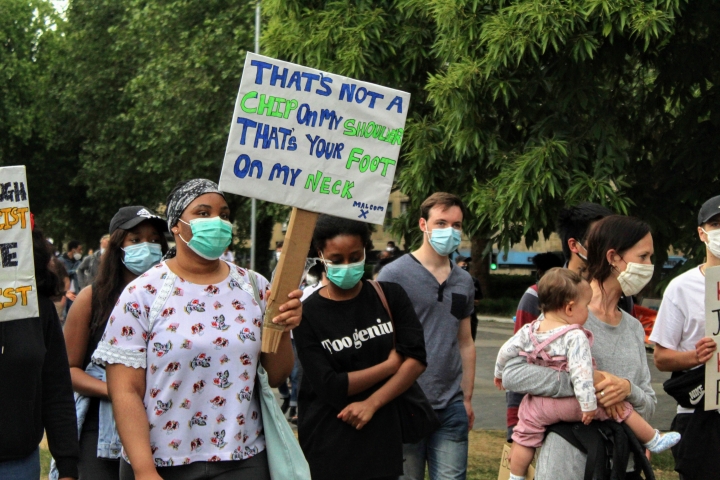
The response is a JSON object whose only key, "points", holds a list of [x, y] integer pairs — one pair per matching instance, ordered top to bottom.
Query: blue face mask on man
{"points": [[211, 236], [444, 240], [141, 257], [344, 276]]}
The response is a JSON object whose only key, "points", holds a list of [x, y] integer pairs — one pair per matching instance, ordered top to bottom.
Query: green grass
{"points": [[483, 457]]}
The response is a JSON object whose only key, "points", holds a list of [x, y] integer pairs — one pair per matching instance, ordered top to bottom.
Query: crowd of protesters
{"points": [[156, 373]]}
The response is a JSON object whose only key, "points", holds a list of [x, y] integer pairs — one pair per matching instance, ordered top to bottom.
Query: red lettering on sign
{"points": [[718, 291]]}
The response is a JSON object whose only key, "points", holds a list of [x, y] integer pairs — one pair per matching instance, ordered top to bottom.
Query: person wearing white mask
{"points": [[135, 244], [619, 262], [443, 297], [679, 331]]}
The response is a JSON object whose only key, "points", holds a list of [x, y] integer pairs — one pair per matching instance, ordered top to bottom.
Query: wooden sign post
{"points": [[315, 141], [289, 273]]}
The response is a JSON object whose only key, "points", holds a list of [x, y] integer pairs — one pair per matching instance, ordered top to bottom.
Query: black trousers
{"points": [[90, 467], [255, 468]]}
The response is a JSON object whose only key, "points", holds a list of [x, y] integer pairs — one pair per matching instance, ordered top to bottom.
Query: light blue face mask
{"points": [[211, 236], [444, 240], [141, 257], [345, 276]]}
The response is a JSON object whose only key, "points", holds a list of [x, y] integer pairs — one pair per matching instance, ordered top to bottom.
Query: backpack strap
{"points": [[252, 277], [162, 296], [383, 299], [589, 440]]}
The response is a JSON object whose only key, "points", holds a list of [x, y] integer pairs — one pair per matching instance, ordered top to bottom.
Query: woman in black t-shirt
{"points": [[349, 425]]}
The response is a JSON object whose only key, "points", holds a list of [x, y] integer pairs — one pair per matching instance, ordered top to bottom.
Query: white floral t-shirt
{"points": [[200, 355]]}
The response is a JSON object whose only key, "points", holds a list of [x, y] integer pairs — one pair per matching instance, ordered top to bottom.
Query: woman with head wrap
{"points": [[182, 348]]}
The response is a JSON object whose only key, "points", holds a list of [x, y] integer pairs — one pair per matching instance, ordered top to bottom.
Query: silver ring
{"points": [[602, 394]]}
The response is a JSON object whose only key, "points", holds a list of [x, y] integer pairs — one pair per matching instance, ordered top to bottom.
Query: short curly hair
{"points": [[329, 227]]}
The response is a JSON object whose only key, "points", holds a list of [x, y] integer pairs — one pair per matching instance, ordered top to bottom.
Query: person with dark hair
{"points": [[573, 225], [136, 243], [71, 259], [619, 261], [544, 262], [464, 263], [88, 268], [443, 297], [557, 341], [681, 347], [182, 353], [356, 358], [36, 394]]}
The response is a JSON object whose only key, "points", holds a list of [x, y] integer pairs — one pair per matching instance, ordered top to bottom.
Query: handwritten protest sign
{"points": [[314, 140], [18, 293], [712, 330]]}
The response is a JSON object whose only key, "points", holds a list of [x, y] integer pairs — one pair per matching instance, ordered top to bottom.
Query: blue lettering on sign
{"points": [[244, 167], [365, 208]]}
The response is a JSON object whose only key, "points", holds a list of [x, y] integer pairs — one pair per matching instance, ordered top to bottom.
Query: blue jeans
{"points": [[445, 451], [27, 468]]}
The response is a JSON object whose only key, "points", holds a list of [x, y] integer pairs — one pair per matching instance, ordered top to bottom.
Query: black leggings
{"points": [[90, 467], [254, 468]]}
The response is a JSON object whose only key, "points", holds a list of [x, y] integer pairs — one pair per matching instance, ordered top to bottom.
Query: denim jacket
{"points": [[109, 445]]}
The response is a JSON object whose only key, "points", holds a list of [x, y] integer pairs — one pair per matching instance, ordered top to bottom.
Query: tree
{"points": [[584, 100]]}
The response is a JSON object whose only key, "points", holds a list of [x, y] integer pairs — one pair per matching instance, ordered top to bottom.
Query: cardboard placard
{"points": [[314, 140], [18, 292], [712, 330], [504, 472]]}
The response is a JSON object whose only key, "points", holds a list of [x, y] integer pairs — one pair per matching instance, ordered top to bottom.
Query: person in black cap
{"points": [[136, 244], [464, 263], [679, 336]]}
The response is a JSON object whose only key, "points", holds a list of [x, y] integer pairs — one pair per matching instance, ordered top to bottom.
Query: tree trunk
{"points": [[480, 265]]}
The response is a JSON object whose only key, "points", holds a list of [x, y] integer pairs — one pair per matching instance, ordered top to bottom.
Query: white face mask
{"points": [[713, 243], [77, 256], [277, 256], [583, 257], [635, 277]]}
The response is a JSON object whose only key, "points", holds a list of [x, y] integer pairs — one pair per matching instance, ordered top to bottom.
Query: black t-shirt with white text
{"points": [[338, 337]]}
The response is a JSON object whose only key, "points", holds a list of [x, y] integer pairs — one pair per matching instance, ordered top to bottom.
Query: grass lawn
{"points": [[485, 450]]}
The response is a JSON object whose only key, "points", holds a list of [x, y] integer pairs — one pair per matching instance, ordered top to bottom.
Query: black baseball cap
{"points": [[709, 210], [128, 217], [461, 258]]}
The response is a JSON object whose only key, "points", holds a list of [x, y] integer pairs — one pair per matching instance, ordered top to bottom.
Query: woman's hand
{"points": [[291, 311], [498, 383], [612, 390], [358, 414]]}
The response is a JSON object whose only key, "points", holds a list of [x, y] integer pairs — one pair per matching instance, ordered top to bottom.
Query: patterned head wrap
{"points": [[183, 196]]}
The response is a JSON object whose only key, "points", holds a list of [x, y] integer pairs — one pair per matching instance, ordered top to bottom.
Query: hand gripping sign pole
{"points": [[318, 142], [18, 293]]}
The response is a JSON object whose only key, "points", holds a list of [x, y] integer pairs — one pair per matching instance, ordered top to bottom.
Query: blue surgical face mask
{"points": [[211, 236], [444, 240], [141, 257], [344, 276]]}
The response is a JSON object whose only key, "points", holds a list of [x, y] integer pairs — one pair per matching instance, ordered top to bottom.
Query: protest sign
{"points": [[314, 140], [18, 293], [712, 330], [504, 471]]}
